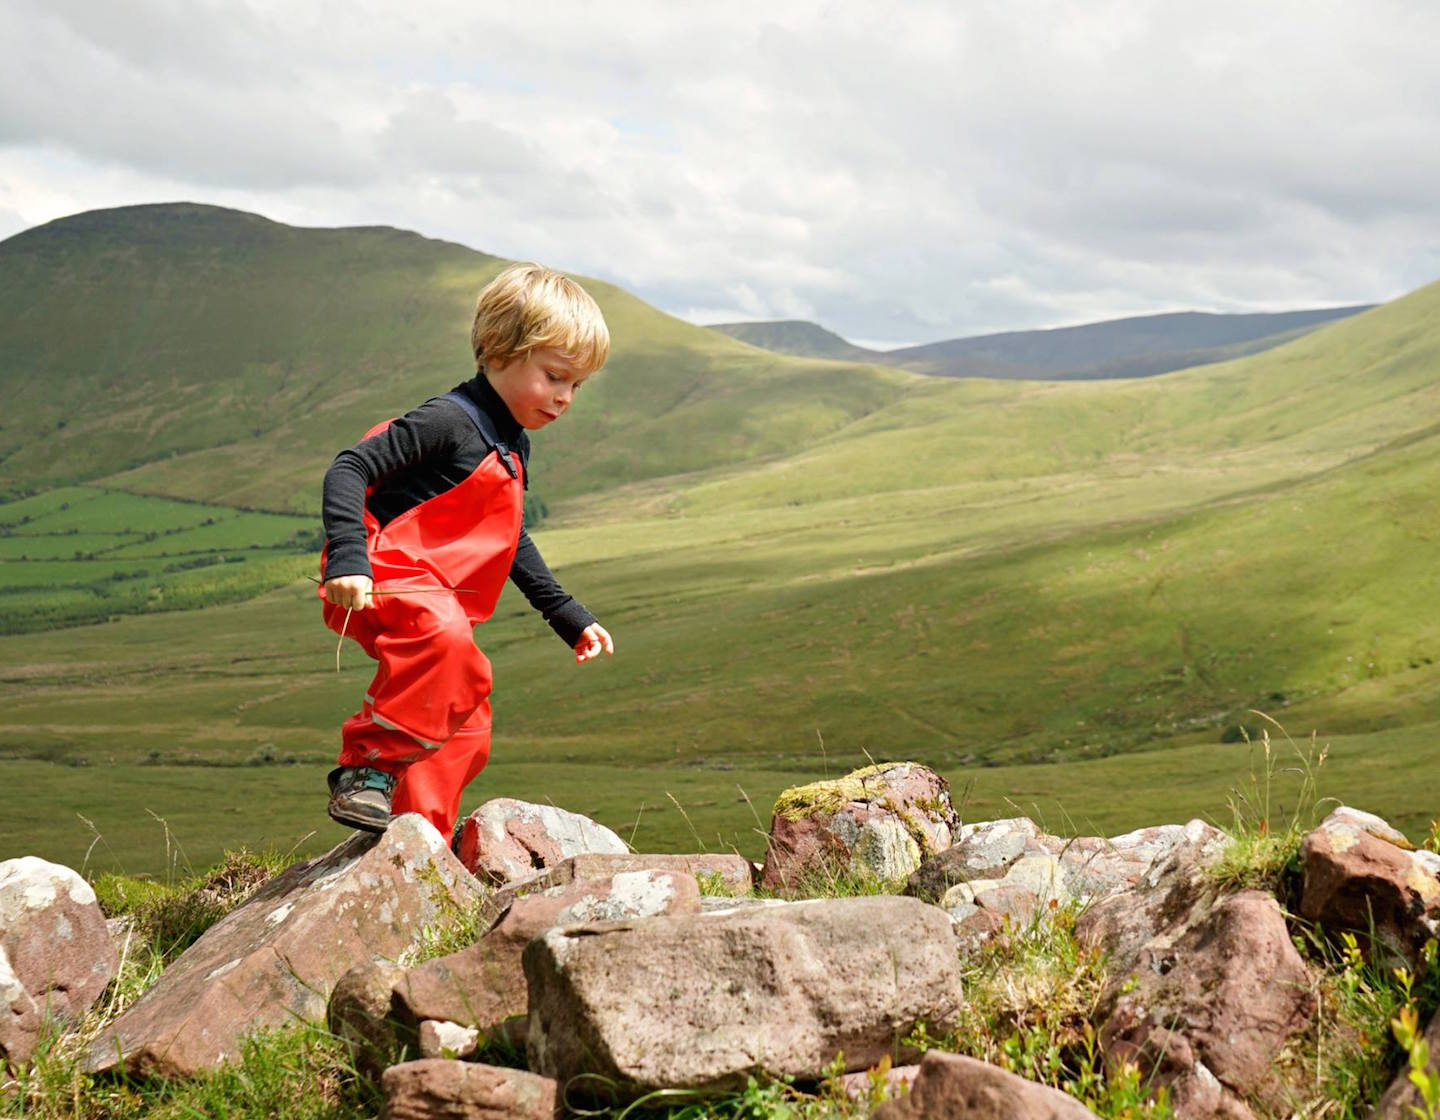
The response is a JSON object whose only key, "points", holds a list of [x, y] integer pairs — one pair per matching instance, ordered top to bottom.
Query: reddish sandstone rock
{"points": [[879, 822], [505, 840], [734, 874], [1361, 874], [56, 954], [276, 958], [484, 986], [705, 1001], [1210, 1004], [360, 1013], [952, 1087], [442, 1089]]}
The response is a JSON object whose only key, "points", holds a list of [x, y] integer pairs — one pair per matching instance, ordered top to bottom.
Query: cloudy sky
{"points": [[900, 172]]}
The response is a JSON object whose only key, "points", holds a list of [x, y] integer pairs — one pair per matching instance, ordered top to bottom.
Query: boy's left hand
{"points": [[594, 640]]}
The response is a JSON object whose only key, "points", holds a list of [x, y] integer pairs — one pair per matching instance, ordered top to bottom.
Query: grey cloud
{"points": [[911, 171]]}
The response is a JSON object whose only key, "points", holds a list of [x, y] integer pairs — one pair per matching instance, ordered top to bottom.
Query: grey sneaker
{"points": [[360, 797]]}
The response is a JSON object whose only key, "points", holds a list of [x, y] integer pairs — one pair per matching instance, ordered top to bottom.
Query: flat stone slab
{"points": [[276, 958], [707, 1000], [442, 1089]]}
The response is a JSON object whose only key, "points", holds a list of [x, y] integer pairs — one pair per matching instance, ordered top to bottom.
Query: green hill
{"points": [[796, 336], [201, 353], [1063, 595]]}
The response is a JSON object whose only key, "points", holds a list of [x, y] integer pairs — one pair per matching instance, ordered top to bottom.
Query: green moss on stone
{"points": [[829, 797]]}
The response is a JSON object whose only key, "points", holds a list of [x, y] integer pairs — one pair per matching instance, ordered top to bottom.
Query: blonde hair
{"points": [[527, 307]]}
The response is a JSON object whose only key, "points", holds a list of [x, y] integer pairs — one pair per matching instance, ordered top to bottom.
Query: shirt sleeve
{"points": [[425, 432], [565, 614]]}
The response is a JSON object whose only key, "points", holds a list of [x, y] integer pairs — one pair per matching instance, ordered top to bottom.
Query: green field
{"points": [[87, 554], [1063, 596]]}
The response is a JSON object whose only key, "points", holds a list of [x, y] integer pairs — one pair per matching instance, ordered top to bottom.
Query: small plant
{"points": [[1262, 854], [455, 930], [1031, 999], [1350, 1055]]}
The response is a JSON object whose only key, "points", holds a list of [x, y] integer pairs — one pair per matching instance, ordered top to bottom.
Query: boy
{"points": [[423, 523]]}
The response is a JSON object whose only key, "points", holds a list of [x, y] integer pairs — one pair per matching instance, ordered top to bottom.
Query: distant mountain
{"points": [[796, 336], [1142, 346]]}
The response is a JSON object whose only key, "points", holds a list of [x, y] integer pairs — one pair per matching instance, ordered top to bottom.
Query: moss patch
{"points": [[831, 796]]}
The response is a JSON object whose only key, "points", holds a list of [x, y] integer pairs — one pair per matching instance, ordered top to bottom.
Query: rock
{"points": [[879, 822], [505, 839], [982, 851], [1096, 868], [1015, 871], [734, 873], [1360, 874], [1166, 896], [56, 953], [276, 958], [484, 986], [705, 1001], [1210, 1004], [360, 1012], [441, 1039], [869, 1084], [953, 1087], [441, 1089], [1402, 1096]]}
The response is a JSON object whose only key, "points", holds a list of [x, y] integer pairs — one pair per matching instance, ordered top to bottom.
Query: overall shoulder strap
{"points": [[484, 425]]}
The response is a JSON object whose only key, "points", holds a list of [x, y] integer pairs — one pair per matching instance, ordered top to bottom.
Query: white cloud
{"points": [[898, 172]]}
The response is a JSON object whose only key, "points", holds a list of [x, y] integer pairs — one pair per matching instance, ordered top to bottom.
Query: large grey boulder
{"points": [[878, 822], [506, 839], [56, 954], [276, 958], [707, 1000], [954, 1087]]}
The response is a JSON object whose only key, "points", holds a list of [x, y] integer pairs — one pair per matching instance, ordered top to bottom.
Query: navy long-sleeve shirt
{"points": [[426, 452]]}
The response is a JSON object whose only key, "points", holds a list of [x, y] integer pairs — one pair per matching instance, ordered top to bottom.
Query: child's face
{"points": [[539, 388]]}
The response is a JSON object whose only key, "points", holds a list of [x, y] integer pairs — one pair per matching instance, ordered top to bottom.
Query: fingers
{"points": [[351, 593], [594, 641]]}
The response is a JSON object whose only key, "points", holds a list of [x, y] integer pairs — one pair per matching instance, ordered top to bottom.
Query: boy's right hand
{"points": [[350, 592]]}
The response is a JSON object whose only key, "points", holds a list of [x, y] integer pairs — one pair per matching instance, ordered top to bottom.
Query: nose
{"points": [[565, 394]]}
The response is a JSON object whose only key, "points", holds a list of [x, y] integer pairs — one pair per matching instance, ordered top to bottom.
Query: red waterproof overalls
{"points": [[439, 569]]}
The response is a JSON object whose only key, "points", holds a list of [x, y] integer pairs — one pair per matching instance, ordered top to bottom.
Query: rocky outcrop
{"points": [[879, 822], [505, 839], [1011, 869], [1362, 875], [56, 954], [276, 958], [484, 986], [709, 1000], [1209, 1005], [953, 1087], [440, 1089]]}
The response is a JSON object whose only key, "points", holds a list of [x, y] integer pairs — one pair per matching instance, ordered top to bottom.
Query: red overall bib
{"points": [[439, 569]]}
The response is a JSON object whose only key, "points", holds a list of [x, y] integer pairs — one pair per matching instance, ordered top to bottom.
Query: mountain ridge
{"points": [[1133, 346]]}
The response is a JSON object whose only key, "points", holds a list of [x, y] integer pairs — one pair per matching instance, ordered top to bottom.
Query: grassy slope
{"points": [[202, 353], [974, 574]]}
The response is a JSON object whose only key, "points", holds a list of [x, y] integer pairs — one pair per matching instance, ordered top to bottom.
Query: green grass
{"points": [[1006, 581]]}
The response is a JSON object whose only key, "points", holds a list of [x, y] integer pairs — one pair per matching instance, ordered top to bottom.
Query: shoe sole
{"points": [[370, 823]]}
